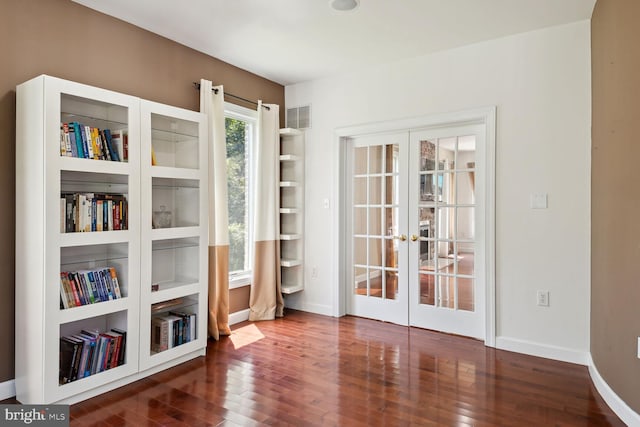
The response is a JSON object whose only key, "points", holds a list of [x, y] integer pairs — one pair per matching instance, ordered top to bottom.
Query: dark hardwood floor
{"points": [[308, 370]]}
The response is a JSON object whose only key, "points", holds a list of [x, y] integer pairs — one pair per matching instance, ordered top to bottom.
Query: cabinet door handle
{"points": [[414, 237]]}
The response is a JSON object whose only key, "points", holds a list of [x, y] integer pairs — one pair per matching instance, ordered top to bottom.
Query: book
{"points": [[88, 143], [79, 144], [119, 145], [72, 148], [113, 152], [63, 215], [123, 345], [68, 353]]}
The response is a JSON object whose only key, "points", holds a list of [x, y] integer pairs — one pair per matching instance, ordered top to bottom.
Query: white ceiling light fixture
{"points": [[344, 5]]}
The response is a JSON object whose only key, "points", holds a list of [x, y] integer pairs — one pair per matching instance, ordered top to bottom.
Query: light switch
{"points": [[539, 201]]}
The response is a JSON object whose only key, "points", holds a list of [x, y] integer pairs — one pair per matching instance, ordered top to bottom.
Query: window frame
{"points": [[240, 279]]}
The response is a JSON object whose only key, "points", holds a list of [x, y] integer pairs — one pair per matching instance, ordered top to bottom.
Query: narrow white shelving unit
{"points": [[292, 210], [174, 227], [83, 239]]}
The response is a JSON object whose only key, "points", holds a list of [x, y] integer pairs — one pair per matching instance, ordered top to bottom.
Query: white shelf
{"points": [[290, 132], [289, 158], [94, 166], [175, 173], [291, 173], [290, 210], [175, 233], [290, 236], [94, 238], [290, 262], [290, 289], [173, 290], [92, 310]]}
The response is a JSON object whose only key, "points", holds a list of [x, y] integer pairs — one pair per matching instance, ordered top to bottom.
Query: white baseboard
{"points": [[325, 310], [238, 316], [543, 350], [7, 389], [617, 405]]}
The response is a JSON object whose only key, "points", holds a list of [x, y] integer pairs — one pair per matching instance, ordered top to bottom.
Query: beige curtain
{"points": [[212, 104], [265, 301]]}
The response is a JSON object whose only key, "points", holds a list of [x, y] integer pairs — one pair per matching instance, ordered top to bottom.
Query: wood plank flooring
{"points": [[310, 370]]}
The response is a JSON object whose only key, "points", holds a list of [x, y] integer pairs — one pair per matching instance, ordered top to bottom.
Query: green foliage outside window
{"points": [[237, 193]]}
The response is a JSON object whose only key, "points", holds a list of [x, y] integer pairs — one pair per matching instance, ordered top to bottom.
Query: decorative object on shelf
{"points": [[162, 218]]}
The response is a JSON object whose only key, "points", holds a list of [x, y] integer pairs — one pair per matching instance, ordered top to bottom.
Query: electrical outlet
{"points": [[314, 272], [543, 298]]}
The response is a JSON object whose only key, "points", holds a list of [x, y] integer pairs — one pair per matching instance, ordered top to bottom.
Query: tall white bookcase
{"points": [[292, 210], [44, 248]]}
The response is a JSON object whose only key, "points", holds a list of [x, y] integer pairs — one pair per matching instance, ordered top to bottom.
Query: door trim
{"points": [[485, 116]]}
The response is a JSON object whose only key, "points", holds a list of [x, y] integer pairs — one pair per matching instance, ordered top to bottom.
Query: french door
{"points": [[415, 228]]}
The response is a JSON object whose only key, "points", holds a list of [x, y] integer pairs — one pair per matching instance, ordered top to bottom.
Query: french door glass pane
{"points": [[427, 156], [375, 159], [360, 160], [375, 190], [391, 190], [360, 191], [359, 221], [375, 222], [466, 229], [360, 251], [375, 252], [391, 253], [391, 277], [360, 280], [375, 283], [427, 288], [446, 291], [465, 294]]}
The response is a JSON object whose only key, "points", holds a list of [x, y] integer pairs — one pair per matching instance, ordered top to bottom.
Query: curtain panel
{"points": [[212, 104], [265, 301]]}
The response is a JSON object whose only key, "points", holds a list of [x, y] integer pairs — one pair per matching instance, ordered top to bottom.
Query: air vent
{"points": [[299, 117]]}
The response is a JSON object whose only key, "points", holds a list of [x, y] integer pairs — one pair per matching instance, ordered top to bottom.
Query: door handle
{"points": [[401, 237], [414, 237]]}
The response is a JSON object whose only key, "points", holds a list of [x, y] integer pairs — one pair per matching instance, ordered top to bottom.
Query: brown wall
{"points": [[66, 40], [615, 196]]}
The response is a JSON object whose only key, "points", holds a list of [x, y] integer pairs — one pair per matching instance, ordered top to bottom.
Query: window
{"points": [[240, 126]]}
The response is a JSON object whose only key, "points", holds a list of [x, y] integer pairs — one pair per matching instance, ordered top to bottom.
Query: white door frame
{"points": [[485, 116]]}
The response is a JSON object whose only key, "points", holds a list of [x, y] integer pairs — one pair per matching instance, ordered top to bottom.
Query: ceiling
{"points": [[291, 41]]}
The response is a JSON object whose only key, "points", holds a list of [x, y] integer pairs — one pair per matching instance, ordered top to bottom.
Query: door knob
{"points": [[401, 237], [414, 237]]}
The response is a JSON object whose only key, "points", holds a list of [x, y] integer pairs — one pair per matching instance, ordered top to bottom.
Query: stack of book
{"points": [[78, 140], [86, 212], [88, 287], [172, 329], [89, 353]]}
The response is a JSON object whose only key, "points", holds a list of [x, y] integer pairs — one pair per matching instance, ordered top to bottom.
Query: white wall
{"points": [[540, 83]]}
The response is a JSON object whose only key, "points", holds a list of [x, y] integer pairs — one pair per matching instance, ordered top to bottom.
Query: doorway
{"points": [[416, 228]]}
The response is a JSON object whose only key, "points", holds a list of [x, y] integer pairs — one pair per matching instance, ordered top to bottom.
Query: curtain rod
{"points": [[197, 86]]}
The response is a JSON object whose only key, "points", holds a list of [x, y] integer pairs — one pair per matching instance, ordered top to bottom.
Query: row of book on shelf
{"points": [[78, 140], [86, 212], [84, 287], [172, 329], [90, 352]]}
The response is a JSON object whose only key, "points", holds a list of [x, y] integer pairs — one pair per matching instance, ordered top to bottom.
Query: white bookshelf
{"points": [[292, 210], [44, 250], [174, 253]]}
